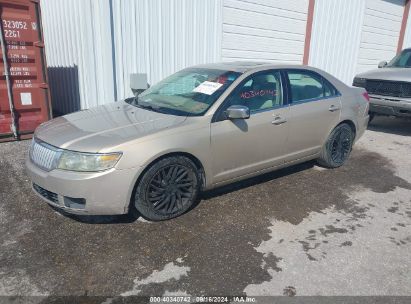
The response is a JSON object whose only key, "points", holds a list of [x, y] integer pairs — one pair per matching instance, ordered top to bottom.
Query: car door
{"points": [[314, 111], [243, 146]]}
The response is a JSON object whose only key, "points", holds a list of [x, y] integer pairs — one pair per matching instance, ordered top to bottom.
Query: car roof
{"points": [[246, 66], [256, 66]]}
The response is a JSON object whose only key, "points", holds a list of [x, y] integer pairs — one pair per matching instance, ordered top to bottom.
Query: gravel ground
{"points": [[299, 231]]}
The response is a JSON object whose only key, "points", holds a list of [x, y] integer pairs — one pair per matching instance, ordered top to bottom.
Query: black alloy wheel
{"points": [[341, 146], [337, 149], [167, 189], [170, 189]]}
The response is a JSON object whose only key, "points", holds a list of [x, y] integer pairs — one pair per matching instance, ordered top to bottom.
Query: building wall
{"points": [[264, 30], [380, 32], [336, 35], [160, 37], [92, 46], [79, 55]]}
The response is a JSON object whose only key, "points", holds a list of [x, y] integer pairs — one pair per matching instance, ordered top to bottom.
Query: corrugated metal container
{"points": [[336, 37], [23, 81]]}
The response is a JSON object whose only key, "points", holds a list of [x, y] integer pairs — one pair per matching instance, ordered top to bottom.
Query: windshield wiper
{"points": [[137, 102], [147, 106]]}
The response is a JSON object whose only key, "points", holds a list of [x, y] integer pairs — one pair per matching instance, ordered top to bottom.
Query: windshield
{"points": [[402, 60], [190, 92]]}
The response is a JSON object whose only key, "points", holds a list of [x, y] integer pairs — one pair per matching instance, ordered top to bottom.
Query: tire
{"points": [[337, 148], [167, 189]]}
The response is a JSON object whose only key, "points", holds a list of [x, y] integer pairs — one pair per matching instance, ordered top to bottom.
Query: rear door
{"points": [[315, 110], [243, 146]]}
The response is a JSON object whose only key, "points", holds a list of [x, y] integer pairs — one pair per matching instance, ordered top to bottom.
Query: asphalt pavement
{"points": [[303, 230]]}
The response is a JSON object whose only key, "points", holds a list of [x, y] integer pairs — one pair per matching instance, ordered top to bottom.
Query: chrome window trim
{"points": [[296, 103], [270, 109]]}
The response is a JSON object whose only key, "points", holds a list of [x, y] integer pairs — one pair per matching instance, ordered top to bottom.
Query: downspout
{"points": [[403, 25], [308, 32], [13, 125]]}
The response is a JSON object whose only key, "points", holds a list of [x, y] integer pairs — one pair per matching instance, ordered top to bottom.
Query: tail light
{"points": [[366, 96]]}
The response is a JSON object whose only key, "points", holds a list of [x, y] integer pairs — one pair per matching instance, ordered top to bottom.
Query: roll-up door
{"points": [[266, 30]]}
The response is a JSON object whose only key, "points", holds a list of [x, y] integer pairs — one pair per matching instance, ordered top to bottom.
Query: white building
{"points": [[93, 46]]}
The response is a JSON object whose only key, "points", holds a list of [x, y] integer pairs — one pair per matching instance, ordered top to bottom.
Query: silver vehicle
{"points": [[389, 86], [201, 128]]}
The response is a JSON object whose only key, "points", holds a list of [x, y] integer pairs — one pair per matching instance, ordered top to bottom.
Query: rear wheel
{"points": [[338, 147], [167, 189]]}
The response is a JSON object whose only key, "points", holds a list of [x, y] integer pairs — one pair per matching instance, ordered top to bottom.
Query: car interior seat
{"points": [[265, 89], [312, 91], [303, 92]]}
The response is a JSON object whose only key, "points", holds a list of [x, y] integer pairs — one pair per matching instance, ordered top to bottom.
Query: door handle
{"points": [[334, 108], [278, 120]]}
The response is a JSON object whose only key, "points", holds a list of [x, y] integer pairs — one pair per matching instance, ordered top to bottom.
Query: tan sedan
{"points": [[200, 128]]}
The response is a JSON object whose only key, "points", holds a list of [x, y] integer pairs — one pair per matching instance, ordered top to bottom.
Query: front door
{"points": [[243, 146]]}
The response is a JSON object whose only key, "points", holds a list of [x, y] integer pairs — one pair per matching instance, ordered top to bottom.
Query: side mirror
{"points": [[382, 64], [138, 83], [238, 112]]}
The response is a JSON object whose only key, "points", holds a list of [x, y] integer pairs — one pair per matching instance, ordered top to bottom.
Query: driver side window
{"points": [[260, 92]]}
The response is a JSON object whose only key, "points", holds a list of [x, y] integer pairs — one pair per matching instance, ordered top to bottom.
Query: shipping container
{"points": [[24, 93]]}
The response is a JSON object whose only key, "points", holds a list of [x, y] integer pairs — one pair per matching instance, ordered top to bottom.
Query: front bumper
{"points": [[392, 106], [101, 193]]}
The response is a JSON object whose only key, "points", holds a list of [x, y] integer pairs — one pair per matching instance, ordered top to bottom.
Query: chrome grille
{"points": [[43, 155]]}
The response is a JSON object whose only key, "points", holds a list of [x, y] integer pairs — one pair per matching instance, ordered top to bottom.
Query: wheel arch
{"points": [[345, 121], [351, 124], [190, 156]]}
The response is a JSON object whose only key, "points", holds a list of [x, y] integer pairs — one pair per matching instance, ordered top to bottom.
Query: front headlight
{"points": [[87, 162]]}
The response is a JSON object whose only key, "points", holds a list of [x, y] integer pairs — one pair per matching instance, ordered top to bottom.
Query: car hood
{"points": [[393, 74], [103, 127]]}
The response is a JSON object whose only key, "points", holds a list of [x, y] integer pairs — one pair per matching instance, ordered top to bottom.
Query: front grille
{"points": [[389, 88], [43, 155], [51, 196]]}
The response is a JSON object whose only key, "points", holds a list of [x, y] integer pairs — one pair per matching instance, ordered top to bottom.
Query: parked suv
{"points": [[389, 87]]}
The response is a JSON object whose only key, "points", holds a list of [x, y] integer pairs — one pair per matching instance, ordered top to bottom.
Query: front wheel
{"points": [[338, 147], [167, 189]]}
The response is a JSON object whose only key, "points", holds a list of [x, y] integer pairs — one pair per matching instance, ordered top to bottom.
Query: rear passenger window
{"points": [[308, 86]]}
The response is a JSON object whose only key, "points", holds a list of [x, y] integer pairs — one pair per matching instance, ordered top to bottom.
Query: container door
{"points": [[25, 55]]}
